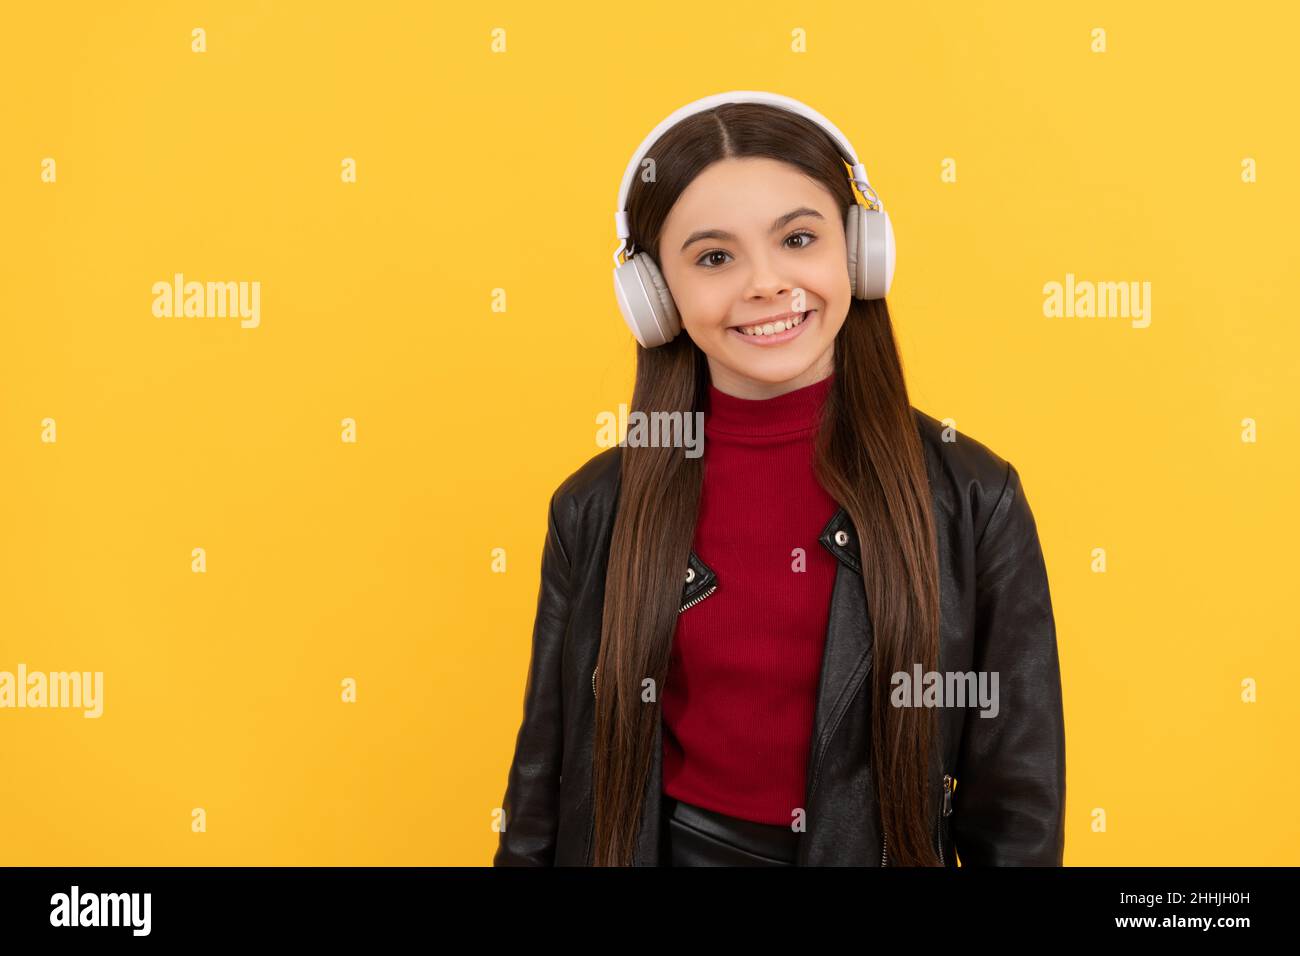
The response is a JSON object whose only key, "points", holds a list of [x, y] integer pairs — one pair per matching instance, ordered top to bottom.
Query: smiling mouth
{"points": [[762, 330]]}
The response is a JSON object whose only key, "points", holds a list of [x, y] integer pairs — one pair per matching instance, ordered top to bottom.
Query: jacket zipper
{"points": [[698, 598], [689, 604], [945, 812], [591, 829]]}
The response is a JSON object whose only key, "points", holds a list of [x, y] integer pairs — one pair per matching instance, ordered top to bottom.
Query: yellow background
{"points": [[479, 171]]}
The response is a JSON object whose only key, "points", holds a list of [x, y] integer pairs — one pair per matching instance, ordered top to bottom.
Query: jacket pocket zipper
{"points": [[945, 812]]}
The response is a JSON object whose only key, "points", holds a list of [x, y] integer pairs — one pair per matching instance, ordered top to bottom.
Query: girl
{"points": [[764, 627]]}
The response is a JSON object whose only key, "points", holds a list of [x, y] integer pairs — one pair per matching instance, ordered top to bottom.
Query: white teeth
{"points": [[773, 328]]}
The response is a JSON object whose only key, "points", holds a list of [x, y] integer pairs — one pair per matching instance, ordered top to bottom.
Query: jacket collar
{"points": [[838, 537], [841, 539]]}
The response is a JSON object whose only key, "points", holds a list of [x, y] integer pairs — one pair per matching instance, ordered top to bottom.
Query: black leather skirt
{"points": [[701, 837]]}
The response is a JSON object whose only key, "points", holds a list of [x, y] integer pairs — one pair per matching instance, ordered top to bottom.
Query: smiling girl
{"points": [[741, 614]]}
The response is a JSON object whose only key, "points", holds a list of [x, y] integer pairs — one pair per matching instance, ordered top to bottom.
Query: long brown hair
{"points": [[869, 458]]}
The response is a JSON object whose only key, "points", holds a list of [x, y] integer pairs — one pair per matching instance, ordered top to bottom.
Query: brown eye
{"points": [[707, 262]]}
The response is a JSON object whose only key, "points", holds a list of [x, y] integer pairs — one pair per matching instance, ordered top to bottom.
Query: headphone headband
{"points": [[859, 174]]}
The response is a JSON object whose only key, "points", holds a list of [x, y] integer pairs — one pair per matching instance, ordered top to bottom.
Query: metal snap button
{"points": [[841, 537], [690, 575]]}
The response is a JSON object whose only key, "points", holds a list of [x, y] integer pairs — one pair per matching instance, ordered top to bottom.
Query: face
{"points": [[751, 243]]}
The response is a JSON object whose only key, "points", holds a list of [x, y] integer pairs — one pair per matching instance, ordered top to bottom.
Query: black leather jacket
{"points": [[1000, 785]]}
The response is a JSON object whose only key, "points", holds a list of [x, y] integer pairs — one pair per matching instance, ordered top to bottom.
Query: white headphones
{"points": [[643, 295]]}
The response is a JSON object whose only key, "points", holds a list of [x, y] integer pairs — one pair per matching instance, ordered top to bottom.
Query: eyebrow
{"points": [[723, 234]]}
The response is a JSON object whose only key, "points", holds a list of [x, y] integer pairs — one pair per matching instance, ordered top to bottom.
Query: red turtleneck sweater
{"points": [[746, 661]]}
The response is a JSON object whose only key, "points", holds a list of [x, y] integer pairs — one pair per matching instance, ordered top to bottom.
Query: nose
{"points": [[765, 282]]}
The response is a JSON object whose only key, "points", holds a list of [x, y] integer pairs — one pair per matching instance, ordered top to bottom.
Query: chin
{"points": [[777, 369], [769, 378]]}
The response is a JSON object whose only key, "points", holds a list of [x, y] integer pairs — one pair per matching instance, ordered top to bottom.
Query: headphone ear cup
{"points": [[869, 237], [853, 240], [645, 301], [671, 321]]}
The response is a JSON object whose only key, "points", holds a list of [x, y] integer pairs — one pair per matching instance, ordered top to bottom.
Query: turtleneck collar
{"points": [[796, 411]]}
